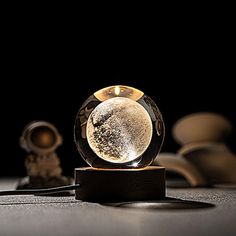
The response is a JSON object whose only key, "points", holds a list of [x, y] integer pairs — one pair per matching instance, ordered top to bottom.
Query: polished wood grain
{"points": [[101, 185]]}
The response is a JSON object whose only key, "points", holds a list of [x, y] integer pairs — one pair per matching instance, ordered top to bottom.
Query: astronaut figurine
{"points": [[40, 139]]}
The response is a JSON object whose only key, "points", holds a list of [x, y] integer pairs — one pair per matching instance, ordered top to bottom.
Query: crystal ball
{"points": [[119, 127]]}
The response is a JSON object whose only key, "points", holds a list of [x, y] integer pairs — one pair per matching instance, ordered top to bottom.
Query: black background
{"points": [[50, 68]]}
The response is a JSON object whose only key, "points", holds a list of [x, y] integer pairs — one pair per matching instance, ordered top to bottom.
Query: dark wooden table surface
{"points": [[199, 211]]}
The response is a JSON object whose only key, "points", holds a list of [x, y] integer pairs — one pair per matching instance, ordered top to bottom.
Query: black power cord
{"points": [[41, 191]]}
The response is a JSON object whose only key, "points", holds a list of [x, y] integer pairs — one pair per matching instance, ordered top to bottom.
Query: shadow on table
{"points": [[182, 183], [165, 204]]}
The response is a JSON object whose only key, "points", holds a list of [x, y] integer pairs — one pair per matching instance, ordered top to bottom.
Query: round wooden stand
{"points": [[111, 185]]}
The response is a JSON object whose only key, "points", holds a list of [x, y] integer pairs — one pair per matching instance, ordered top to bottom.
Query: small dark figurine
{"points": [[40, 139]]}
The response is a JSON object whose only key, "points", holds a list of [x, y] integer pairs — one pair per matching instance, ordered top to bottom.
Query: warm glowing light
{"points": [[117, 90], [119, 127], [119, 130], [135, 164]]}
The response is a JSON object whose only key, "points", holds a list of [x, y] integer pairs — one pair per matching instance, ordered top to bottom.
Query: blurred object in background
{"points": [[201, 127], [40, 139], [204, 159], [176, 163]]}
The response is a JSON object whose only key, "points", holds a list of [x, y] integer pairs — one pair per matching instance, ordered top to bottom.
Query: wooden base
{"points": [[112, 185]]}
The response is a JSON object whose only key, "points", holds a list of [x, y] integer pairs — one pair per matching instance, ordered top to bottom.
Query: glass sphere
{"points": [[119, 127]]}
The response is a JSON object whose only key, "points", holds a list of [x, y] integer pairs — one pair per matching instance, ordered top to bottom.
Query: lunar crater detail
{"points": [[119, 130]]}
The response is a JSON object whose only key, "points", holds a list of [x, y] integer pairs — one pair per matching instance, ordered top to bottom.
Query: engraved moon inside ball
{"points": [[119, 130]]}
